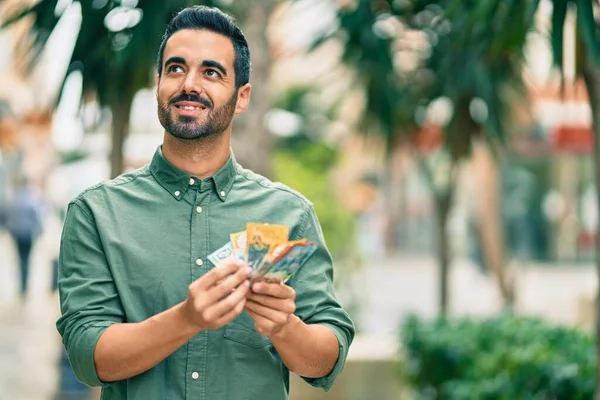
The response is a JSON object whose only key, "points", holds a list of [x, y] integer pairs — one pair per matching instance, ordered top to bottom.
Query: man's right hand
{"points": [[218, 297]]}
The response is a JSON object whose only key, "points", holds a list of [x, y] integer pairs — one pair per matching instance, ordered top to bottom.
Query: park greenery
{"points": [[472, 55], [506, 357]]}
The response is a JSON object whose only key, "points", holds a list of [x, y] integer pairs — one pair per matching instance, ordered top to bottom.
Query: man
{"points": [[144, 313]]}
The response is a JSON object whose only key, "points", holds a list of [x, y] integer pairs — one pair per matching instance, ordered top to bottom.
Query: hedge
{"points": [[505, 357]]}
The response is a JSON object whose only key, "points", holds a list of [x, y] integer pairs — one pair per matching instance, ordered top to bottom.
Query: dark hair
{"points": [[214, 20]]}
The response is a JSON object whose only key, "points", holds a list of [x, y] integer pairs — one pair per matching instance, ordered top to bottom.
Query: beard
{"points": [[191, 128]]}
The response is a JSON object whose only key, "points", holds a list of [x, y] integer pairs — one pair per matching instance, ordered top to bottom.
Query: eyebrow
{"points": [[175, 60], [205, 63]]}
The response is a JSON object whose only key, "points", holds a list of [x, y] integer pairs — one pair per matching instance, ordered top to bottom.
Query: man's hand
{"points": [[218, 297], [270, 305]]}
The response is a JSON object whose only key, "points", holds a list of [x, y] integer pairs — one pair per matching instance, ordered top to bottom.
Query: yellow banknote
{"points": [[259, 239]]}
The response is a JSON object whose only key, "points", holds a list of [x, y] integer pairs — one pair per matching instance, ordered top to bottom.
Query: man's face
{"points": [[196, 92]]}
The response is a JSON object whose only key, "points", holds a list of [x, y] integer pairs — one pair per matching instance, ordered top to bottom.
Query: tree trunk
{"points": [[591, 74], [121, 111], [251, 142], [395, 199], [443, 204], [488, 217]]}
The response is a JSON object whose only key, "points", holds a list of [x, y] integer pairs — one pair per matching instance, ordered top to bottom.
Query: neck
{"points": [[201, 158]]}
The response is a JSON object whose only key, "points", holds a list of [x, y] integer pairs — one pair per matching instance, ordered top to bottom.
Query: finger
{"points": [[216, 274], [227, 285], [274, 290], [225, 305], [283, 305], [231, 314], [274, 316], [261, 324]]}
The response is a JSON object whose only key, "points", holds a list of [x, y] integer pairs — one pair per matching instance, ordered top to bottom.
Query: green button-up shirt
{"points": [[131, 247]]}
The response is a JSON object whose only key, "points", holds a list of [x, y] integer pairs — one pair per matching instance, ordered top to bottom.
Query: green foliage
{"points": [[587, 28], [464, 53], [372, 55], [486, 59], [112, 62], [72, 156], [303, 162], [304, 168], [505, 357]]}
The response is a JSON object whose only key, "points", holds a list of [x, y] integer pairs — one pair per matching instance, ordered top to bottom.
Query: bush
{"points": [[500, 358]]}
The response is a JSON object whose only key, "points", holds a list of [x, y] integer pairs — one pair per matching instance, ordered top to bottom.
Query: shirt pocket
{"points": [[241, 330]]}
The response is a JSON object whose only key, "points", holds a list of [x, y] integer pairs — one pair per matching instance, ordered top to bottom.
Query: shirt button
{"points": [[192, 181], [177, 193], [222, 193], [198, 209], [199, 262], [195, 375]]}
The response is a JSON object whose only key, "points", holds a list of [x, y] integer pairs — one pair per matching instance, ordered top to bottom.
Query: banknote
{"points": [[259, 239], [238, 243], [267, 250], [276, 252], [221, 254], [287, 265]]}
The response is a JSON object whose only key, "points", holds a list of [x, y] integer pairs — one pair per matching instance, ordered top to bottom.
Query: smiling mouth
{"points": [[191, 108]]}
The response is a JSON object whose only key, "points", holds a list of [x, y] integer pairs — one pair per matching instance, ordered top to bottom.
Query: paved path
{"points": [[389, 290], [29, 344], [30, 348]]}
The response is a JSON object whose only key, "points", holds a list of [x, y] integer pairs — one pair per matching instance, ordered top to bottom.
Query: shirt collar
{"points": [[176, 181]]}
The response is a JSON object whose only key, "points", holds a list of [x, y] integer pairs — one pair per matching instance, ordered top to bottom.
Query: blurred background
{"points": [[448, 147]]}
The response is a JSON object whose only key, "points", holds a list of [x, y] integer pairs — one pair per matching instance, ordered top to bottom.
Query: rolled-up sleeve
{"points": [[88, 297], [316, 302]]}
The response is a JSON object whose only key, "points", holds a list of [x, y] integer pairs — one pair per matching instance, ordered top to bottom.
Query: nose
{"points": [[191, 83]]}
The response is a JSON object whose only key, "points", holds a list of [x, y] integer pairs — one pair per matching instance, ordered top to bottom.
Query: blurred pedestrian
{"points": [[22, 218]]}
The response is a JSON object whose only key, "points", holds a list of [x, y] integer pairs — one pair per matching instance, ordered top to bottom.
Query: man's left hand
{"points": [[271, 305]]}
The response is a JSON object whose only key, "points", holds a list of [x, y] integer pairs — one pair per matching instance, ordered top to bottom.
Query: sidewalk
{"points": [[391, 289], [30, 346]]}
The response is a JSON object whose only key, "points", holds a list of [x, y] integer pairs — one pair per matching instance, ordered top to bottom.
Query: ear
{"points": [[156, 82], [243, 98]]}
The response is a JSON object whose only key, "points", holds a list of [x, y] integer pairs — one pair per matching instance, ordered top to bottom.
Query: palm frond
{"points": [[559, 15], [44, 20], [587, 27]]}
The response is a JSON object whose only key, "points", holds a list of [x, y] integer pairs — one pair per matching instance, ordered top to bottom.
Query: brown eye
{"points": [[175, 68]]}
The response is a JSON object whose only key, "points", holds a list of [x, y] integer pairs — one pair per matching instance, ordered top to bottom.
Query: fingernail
{"points": [[248, 270]]}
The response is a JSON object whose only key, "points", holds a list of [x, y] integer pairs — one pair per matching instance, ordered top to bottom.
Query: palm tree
{"points": [[481, 52], [116, 54], [465, 56], [588, 68]]}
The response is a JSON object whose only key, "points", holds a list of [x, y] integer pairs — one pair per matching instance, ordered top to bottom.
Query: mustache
{"points": [[192, 97]]}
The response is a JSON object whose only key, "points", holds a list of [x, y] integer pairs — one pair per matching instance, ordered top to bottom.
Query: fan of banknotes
{"points": [[267, 250]]}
